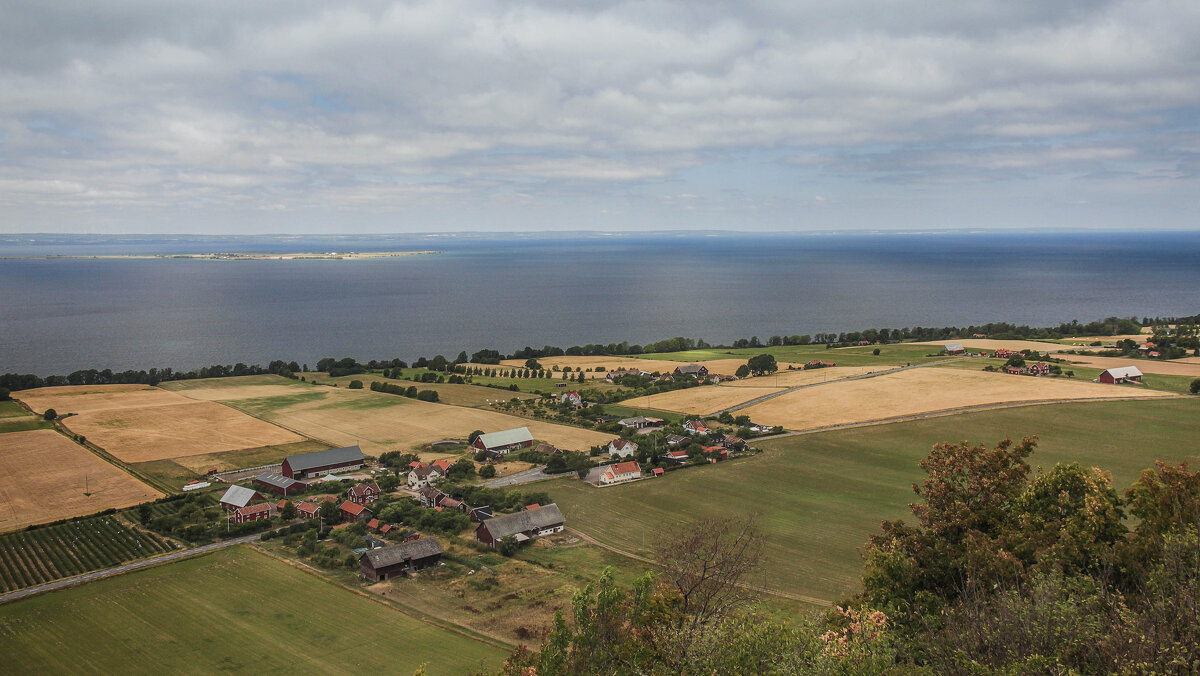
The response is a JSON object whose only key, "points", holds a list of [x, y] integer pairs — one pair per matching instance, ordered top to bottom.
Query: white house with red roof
{"points": [[572, 399], [695, 427], [620, 473]]}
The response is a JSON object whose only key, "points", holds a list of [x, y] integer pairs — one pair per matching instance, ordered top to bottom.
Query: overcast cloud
{"points": [[472, 115]]}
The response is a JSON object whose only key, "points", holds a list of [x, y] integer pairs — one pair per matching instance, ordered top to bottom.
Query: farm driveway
{"points": [[518, 478]]}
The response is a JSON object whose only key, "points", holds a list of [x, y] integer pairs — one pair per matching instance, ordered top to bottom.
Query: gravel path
{"points": [[522, 477]]}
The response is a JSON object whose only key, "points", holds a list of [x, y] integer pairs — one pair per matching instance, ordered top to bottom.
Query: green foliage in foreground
{"points": [[231, 611]]}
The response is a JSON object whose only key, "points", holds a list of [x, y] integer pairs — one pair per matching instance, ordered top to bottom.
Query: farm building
{"points": [[955, 349], [698, 370], [1124, 374], [616, 375], [639, 422], [675, 439], [499, 443], [621, 448], [675, 457], [322, 462], [657, 472], [619, 473], [421, 476], [279, 484], [364, 494], [237, 497], [259, 512], [352, 512], [481, 513], [523, 526], [402, 559]]}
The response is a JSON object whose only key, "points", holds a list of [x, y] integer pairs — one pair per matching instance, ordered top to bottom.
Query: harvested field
{"points": [[1088, 340], [990, 344], [1187, 360], [723, 366], [1167, 368], [784, 379], [217, 389], [919, 391], [700, 400], [384, 422], [139, 424], [41, 463]]}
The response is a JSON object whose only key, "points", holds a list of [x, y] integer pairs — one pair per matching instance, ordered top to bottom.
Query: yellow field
{"points": [[1088, 340], [974, 344], [1187, 360], [722, 366], [1167, 368], [785, 379], [218, 390], [919, 391], [700, 400], [384, 422], [139, 424], [42, 479]]}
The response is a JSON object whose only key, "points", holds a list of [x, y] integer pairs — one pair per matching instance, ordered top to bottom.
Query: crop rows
{"points": [[32, 557]]}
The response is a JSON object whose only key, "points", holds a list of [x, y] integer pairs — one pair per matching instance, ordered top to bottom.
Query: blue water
{"points": [[57, 316]]}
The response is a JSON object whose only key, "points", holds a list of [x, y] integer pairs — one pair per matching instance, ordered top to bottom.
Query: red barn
{"points": [[1125, 374], [500, 443]]}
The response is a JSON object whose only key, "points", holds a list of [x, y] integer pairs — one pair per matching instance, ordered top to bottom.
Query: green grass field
{"points": [[845, 356], [13, 418], [821, 496], [232, 611]]}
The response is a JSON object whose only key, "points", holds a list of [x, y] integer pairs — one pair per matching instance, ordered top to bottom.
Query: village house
{"points": [[698, 370], [1124, 374], [616, 375], [572, 399], [695, 427], [675, 439], [734, 442], [496, 444], [621, 448], [548, 449], [675, 457], [322, 462], [442, 466], [619, 473], [422, 476], [279, 484], [364, 494], [429, 496], [236, 497], [307, 510], [259, 512], [352, 512], [523, 526], [406, 558]]}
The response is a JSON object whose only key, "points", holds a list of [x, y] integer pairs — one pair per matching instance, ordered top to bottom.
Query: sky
{"points": [[471, 115]]}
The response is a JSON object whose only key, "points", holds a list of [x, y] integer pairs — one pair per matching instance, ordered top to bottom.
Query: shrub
{"points": [[355, 385], [50, 414]]}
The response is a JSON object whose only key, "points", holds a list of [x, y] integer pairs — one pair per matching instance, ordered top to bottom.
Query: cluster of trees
{"points": [[26, 381], [411, 391], [499, 500]]}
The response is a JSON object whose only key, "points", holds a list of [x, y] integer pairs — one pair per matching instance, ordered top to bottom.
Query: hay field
{"points": [[991, 344], [1166, 368], [784, 379], [919, 391], [700, 400], [384, 422], [140, 424], [42, 479]]}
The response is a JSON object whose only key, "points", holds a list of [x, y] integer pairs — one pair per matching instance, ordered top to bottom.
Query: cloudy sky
{"points": [[456, 115]]}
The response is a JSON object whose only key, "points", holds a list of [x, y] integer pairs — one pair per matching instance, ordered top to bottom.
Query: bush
{"points": [[355, 385], [1195, 386], [50, 414], [487, 472]]}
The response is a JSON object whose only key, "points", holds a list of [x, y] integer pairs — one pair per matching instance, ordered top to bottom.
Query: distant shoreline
{"points": [[326, 256]]}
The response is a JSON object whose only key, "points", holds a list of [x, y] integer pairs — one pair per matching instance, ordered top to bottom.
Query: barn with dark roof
{"points": [[322, 462], [525, 525], [402, 559]]}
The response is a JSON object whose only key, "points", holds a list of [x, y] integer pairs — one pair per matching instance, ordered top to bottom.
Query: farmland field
{"points": [[1166, 368], [918, 391], [448, 393], [700, 400], [13, 418], [384, 422], [138, 424], [45, 476], [820, 496], [45, 554], [231, 611]]}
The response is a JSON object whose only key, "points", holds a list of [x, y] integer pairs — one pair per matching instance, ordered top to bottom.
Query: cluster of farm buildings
{"points": [[1111, 376]]}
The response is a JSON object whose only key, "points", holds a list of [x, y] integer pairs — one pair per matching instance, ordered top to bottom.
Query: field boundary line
{"points": [[861, 376], [966, 409], [92, 576], [765, 590], [431, 620]]}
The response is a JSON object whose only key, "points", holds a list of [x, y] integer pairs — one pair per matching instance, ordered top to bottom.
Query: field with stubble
{"points": [[45, 477]]}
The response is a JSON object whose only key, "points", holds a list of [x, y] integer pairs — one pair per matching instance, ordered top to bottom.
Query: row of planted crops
{"points": [[31, 557]]}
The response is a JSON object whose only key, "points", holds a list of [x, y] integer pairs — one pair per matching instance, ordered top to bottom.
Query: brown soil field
{"points": [[990, 344], [1167, 368], [919, 391], [89, 398], [700, 400], [384, 422], [140, 424], [42, 479]]}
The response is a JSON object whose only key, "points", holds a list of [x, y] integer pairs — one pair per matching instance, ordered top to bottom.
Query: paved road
{"points": [[874, 374], [523, 477], [122, 569]]}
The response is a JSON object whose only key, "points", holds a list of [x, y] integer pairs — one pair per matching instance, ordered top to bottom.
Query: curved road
{"points": [[122, 569]]}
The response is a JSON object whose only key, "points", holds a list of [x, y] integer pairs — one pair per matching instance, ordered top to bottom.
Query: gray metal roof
{"points": [[954, 346], [690, 368], [1125, 372], [506, 438], [334, 456], [277, 480], [238, 496], [525, 520], [390, 556]]}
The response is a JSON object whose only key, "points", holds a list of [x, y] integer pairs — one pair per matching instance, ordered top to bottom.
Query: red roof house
{"points": [[353, 512]]}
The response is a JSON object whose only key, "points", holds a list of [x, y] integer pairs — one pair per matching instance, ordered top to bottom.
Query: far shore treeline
{"points": [[1110, 326]]}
